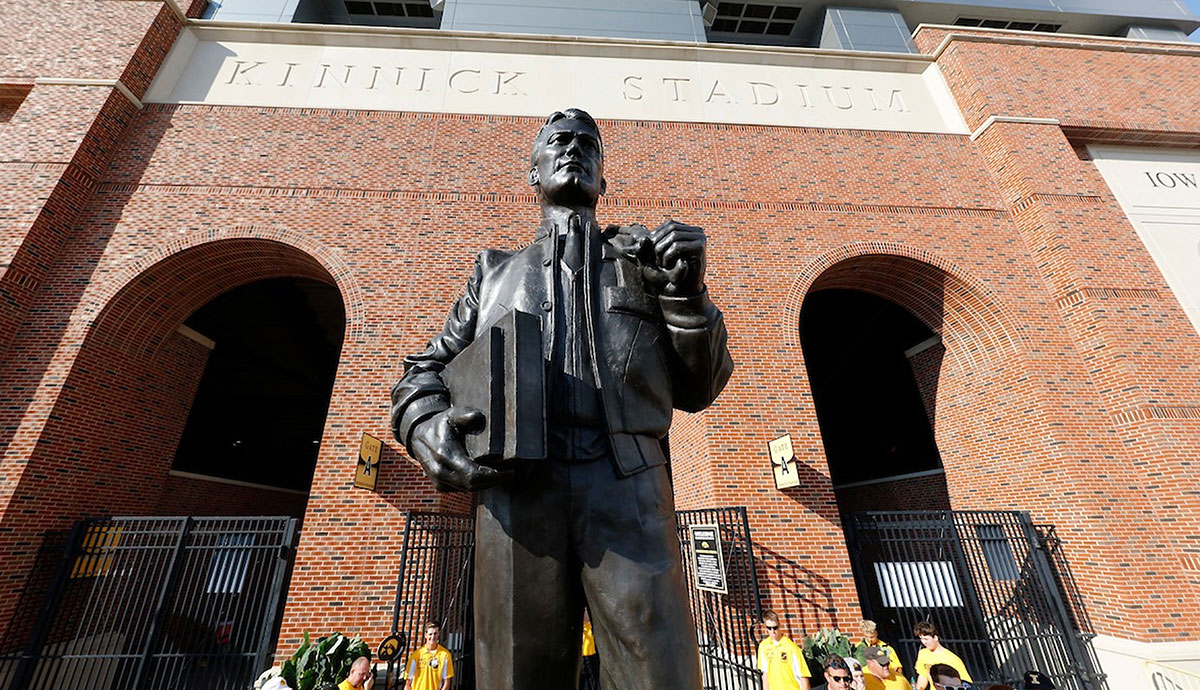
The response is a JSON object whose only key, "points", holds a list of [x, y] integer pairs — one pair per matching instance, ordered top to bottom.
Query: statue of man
{"points": [[628, 335]]}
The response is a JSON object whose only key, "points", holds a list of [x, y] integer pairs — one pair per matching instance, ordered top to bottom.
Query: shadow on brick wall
{"points": [[815, 493], [802, 599]]}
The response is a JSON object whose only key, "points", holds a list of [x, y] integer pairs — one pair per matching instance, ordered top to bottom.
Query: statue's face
{"points": [[568, 164]]}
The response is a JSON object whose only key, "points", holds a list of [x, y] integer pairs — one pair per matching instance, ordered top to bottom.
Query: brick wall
{"points": [[1064, 388], [911, 493], [192, 496]]}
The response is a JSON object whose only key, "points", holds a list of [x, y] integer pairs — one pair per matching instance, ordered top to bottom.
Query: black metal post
{"points": [[168, 588], [41, 628], [266, 645], [1081, 660]]}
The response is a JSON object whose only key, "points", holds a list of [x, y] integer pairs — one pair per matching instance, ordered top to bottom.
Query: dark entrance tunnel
{"points": [[873, 367], [260, 408]]}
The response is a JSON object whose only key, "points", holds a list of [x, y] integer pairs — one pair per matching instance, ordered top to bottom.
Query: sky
{"points": [[1194, 6]]}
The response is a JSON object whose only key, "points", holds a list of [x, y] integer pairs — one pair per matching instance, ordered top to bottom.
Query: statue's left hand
{"points": [[679, 249]]}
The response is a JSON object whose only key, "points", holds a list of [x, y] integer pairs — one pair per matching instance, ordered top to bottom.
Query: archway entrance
{"points": [[872, 328], [873, 370], [260, 407]]}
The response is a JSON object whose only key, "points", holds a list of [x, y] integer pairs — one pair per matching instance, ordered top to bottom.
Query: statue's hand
{"points": [[679, 249], [437, 444]]}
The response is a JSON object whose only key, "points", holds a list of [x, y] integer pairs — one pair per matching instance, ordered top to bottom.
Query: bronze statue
{"points": [[628, 333]]}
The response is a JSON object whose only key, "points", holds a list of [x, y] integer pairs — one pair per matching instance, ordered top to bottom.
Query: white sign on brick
{"points": [[406, 70], [1160, 192]]}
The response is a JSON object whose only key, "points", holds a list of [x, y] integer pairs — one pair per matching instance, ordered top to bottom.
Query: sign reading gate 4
{"points": [[367, 469], [708, 565]]}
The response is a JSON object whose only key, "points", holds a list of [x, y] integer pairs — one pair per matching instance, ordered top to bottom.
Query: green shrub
{"points": [[827, 642], [323, 662]]}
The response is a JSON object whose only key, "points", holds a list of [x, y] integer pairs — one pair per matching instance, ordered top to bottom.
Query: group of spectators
{"points": [[429, 667], [784, 668]]}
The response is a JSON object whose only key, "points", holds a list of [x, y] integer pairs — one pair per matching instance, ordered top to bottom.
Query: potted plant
{"points": [[322, 662]]}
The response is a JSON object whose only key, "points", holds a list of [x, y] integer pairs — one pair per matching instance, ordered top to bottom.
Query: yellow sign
{"points": [[783, 460], [368, 462], [97, 551]]}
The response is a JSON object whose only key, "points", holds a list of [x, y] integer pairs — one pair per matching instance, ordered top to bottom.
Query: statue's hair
{"points": [[568, 114]]}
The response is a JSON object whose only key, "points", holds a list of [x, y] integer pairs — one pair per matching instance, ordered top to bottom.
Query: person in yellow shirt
{"points": [[870, 638], [932, 652], [780, 660], [589, 663], [430, 666], [882, 674], [361, 677]]}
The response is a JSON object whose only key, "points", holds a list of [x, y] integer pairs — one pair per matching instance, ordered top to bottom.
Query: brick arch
{"points": [[153, 295], [974, 327]]}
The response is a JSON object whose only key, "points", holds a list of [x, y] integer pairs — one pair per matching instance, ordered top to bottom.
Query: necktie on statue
{"points": [[573, 245]]}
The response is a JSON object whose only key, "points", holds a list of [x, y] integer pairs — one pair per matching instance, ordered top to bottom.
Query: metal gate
{"points": [[435, 583], [995, 586], [150, 603], [725, 623]]}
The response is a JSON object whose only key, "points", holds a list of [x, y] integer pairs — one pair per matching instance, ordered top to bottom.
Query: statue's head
{"points": [[567, 163]]}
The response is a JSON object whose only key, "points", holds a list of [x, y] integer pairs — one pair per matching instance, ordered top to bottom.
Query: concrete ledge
{"points": [[1128, 662]]}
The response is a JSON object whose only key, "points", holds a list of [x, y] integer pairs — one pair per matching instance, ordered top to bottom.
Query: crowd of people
{"points": [[782, 662], [784, 667]]}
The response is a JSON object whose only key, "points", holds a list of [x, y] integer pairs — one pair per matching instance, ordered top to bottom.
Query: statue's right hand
{"points": [[437, 445]]}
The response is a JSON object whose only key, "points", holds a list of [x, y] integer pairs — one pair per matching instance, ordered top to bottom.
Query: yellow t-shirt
{"points": [[589, 640], [926, 659], [782, 663], [428, 669], [896, 681], [345, 685]]}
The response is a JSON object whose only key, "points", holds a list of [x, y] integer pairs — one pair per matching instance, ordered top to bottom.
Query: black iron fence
{"points": [[988, 580], [435, 584], [152, 603], [726, 622]]}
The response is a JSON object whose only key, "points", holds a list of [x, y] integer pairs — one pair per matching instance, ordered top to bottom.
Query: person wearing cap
{"points": [[870, 638], [933, 653], [780, 660], [856, 669], [882, 674], [1036, 680]]}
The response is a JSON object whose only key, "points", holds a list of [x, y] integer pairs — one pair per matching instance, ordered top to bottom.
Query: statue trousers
{"points": [[559, 535]]}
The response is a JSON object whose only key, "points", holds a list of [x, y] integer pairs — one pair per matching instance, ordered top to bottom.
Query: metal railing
{"points": [[986, 580], [435, 584], [153, 603], [725, 623]]}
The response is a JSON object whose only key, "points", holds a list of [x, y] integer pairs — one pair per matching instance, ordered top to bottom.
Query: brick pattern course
{"points": [[1065, 383]]}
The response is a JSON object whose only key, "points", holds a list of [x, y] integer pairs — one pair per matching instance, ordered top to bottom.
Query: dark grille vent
{"points": [[390, 9], [754, 19], [1005, 24]]}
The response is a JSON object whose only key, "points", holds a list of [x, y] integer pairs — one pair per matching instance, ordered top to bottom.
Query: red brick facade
{"points": [[1066, 383]]}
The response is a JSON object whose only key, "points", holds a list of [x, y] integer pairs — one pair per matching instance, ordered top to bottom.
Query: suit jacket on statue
{"points": [[651, 353]]}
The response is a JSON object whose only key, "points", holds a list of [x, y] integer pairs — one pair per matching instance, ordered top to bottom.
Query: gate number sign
{"points": [[367, 469], [708, 565]]}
